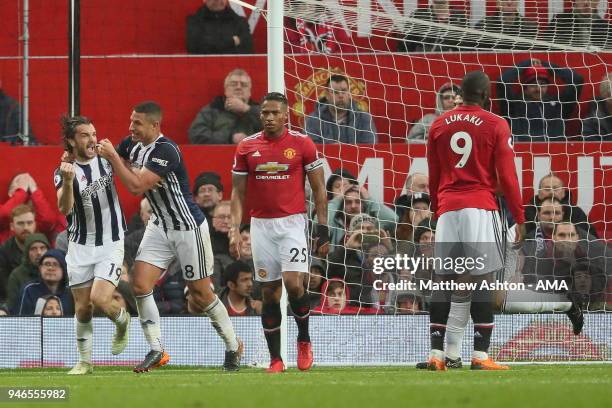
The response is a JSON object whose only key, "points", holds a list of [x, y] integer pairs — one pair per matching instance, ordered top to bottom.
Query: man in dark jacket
{"points": [[508, 21], [581, 27], [216, 29], [425, 38], [533, 113], [230, 118], [10, 119], [337, 119], [597, 126], [36, 245], [51, 280]]}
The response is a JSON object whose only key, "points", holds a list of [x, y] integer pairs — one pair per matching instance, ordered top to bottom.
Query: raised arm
{"points": [[137, 182], [65, 193]]}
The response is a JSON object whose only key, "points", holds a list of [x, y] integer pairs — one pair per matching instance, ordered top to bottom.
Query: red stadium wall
{"points": [[110, 87], [579, 164]]}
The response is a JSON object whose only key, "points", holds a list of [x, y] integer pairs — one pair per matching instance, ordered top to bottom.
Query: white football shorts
{"points": [[469, 233], [279, 245], [192, 248], [86, 263]]}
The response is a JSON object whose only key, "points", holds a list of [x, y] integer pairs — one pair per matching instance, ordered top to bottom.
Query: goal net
{"points": [[365, 80]]}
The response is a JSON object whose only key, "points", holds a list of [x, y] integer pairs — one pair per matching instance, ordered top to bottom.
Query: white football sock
{"points": [[528, 301], [148, 315], [121, 318], [458, 318], [220, 320], [84, 337], [480, 355]]}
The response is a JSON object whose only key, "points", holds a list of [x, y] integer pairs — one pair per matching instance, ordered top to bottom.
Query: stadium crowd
{"points": [[539, 100], [561, 245]]}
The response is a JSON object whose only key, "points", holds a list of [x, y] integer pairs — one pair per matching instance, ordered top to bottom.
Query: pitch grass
{"points": [[393, 387]]}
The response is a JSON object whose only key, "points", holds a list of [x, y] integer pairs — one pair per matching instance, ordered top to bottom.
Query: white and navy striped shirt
{"points": [[171, 200], [96, 217]]}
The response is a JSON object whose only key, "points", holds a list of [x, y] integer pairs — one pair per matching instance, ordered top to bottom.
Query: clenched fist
{"points": [[67, 171]]}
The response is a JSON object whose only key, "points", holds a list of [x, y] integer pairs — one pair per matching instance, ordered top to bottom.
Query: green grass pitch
{"points": [[393, 387]]}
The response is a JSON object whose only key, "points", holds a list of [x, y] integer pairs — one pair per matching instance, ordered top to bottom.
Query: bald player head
{"points": [[476, 88]]}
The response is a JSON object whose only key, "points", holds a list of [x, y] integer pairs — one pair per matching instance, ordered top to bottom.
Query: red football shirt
{"points": [[468, 151], [276, 170]]}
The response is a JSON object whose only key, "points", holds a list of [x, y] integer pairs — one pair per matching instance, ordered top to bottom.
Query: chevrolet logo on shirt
{"points": [[272, 167]]}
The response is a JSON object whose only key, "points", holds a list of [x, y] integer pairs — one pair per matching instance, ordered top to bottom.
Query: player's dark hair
{"points": [[336, 78], [475, 88], [277, 97], [151, 109], [69, 125], [233, 270]]}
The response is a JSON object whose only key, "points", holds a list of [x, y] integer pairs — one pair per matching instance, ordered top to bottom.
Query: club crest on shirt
{"points": [[289, 153], [262, 273]]}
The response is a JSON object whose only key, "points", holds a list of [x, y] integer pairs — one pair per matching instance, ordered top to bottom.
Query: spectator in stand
{"points": [[508, 21], [581, 27], [216, 29], [320, 34], [432, 39], [445, 101], [534, 114], [229, 118], [338, 119], [10, 121], [598, 125], [339, 181], [416, 183], [552, 186], [24, 190], [207, 193], [355, 200], [412, 210], [221, 226], [133, 238], [36, 245], [11, 251], [347, 261], [52, 280], [315, 281], [589, 285], [169, 290], [236, 296], [335, 300], [408, 303], [49, 306]]}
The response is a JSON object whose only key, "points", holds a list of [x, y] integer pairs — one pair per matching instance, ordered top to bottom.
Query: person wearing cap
{"points": [[444, 102], [535, 114], [207, 193], [35, 245], [52, 280]]}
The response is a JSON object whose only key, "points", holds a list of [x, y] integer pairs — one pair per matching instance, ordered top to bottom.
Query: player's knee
{"points": [[140, 288], [295, 291], [100, 300], [193, 307]]}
